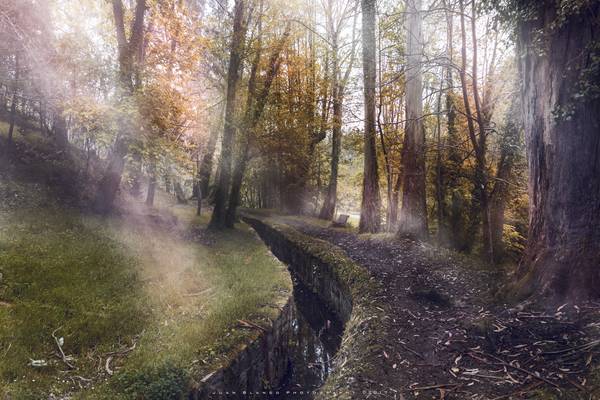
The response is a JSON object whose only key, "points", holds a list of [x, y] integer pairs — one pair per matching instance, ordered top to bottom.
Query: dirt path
{"points": [[446, 339]]}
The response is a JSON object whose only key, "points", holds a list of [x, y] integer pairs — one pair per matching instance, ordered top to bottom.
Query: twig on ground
{"points": [[197, 293], [248, 324], [7, 350], [121, 352], [62, 353], [416, 353], [107, 366], [523, 370], [441, 385], [521, 392]]}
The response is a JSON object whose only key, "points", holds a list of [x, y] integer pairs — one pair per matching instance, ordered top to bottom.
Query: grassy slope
{"points": [[108, 283]]}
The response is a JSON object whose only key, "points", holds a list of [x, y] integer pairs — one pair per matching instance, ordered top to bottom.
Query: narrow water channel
{"points": [[317, 335]]}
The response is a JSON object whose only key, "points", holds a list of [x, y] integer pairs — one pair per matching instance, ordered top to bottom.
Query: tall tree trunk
{"points": [[338, 91], [13, 103], [252, 117], [61, 137], [510, 143], [563, 146], [206, 165], [136, 172], [481, 178], [111, 179], [168, 183], [109, 184], [440, 184], [151, 185], [198, 185], [236, 185], [179, 193], [199, 201], [479, 202], [498, 205], [393, 206], [328, 208], [370, 209], [413, 215], [218, 217], [456, 219], [389, 224]]}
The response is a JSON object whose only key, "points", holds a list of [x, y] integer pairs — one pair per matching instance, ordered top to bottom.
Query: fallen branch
{"points": [[198, 293], [248, 324], [585, 346], [7, 349], [121, 352], [62, 353], [416, 353], [107, 366], [523, 370], [78, 379], [577, 385], [440, 386], [521, 392]]}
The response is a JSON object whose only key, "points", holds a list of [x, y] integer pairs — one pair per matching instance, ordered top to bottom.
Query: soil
{"points": [[446, 337]]}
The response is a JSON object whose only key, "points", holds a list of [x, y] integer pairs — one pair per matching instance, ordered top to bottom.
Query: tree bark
{"points": [[13, 103], [562, 122], [61, 137], [509, 145], [206, 165], [109, 184], [440, 184], [151, 186], [179, 194], [393, 206], [328, 209], [370, 210], [413, 214], [218, 217], [456, 219]]}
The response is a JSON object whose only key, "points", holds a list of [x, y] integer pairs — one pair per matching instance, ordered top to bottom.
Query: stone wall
{"points": [[315, 273], [347, 290], [264, 362]]}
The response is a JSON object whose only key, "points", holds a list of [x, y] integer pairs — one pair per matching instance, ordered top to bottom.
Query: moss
{"points": [[167, 381]]}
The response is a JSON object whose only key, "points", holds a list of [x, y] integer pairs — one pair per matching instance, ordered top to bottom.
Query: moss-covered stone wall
{"points": [[347, 289]]}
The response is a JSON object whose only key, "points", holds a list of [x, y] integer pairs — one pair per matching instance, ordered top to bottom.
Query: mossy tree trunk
{"points": [[561, 109]]}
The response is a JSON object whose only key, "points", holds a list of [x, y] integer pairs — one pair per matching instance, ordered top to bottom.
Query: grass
{"points": [[104, 284]]}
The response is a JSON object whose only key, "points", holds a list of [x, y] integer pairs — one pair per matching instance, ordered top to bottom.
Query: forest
{"points": [[254, 199]]}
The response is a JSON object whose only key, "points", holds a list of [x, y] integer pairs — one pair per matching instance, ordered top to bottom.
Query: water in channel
{"points": [[316, 338]]}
